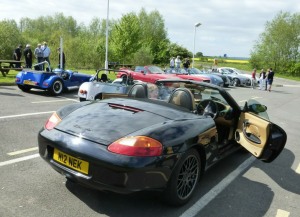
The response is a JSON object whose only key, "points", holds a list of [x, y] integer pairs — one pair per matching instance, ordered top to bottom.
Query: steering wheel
{"points": [[208, 107]]}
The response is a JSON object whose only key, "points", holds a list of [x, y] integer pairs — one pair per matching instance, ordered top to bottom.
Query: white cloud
{"points": [[229, 26]]}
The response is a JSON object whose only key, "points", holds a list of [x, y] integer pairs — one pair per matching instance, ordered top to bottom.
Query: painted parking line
{"points": [[291, 85], [63, 99], [70, 99], [50, 101], [27, 114], [22, 151], [5, 163], [298, 169], [209, 196], [282, 213]]}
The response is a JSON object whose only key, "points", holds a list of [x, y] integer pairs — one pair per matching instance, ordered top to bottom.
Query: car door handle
{"points": [[246, 124], [248, 134]]}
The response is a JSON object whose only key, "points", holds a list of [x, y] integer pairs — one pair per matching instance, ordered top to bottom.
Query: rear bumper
{"points": [[108, 171]]}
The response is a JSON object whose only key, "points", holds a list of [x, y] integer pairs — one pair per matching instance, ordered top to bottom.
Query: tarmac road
{"points": [[238, 186]]}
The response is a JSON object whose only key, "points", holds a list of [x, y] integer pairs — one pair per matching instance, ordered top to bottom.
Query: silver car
{"points": [[236, 79], [100, 83]]}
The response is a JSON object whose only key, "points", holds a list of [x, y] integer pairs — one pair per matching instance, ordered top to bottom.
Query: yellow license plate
{"points": [[28, 82], [71, 162]]}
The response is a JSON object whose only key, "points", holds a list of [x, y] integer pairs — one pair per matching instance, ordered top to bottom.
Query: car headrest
{"points": [[103, 78], [138, 91], [183, 97]]}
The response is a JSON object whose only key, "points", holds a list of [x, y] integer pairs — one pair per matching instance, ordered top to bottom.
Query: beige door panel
{"points": [[252, 133]]}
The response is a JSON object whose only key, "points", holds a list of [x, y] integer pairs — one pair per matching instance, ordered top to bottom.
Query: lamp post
{"points": [[196, 25], [106, 42]]}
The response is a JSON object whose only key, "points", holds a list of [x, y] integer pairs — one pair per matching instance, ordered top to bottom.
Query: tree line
{"points": [[133, 39], [278, 46]]}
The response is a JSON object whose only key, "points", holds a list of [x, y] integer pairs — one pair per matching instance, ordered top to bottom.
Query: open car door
{"points": [[262, 138]]}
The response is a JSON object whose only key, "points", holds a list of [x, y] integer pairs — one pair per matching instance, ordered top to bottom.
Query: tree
{"points": [[153, 34], [125, 37], [10, 38], [278, 45], [177, 50], [199, 54], [143, 57]]}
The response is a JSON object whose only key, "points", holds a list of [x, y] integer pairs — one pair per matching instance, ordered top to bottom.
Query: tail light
{"points": [[82, 91], [52, 121], [141, 146]]}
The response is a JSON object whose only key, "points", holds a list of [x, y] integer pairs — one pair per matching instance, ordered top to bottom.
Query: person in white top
{"points": [[46, 52], [177, 62], [172, 63], [262, 79]]}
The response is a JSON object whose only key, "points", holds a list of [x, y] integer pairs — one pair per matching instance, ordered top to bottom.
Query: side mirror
{"points": [[255, 108]]}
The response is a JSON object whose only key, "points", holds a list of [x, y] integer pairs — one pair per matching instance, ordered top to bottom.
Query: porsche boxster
{"points": [[158, 137]]}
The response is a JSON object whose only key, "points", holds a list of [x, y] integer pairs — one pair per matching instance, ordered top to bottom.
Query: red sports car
{"points": [[147, 74], [183, 74]]}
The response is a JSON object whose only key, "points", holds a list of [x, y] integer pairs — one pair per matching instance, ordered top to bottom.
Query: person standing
{"points": [[46, 52], [38, 53], [17, 56], [28, 56], [63, 59], [177, 62], [172, 63], [186, 63], [262, 77], [253, 79], [266, 79], [270, 79]]}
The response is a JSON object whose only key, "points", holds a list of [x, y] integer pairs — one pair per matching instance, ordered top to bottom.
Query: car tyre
{"points": [[235, 82], [56, 87], [24, 88], [98, 96], [184, 179]]}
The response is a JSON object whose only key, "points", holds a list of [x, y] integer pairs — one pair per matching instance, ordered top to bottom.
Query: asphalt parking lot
{"points": [[238, 186]]}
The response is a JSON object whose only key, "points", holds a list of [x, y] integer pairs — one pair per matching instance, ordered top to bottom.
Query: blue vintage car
{"points": [[55, 81]]}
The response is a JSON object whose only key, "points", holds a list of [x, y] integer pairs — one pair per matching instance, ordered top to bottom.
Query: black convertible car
{"points": [[158, 137]]}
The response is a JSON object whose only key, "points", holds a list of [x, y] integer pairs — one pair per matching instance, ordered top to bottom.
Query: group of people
{"points": [[41, 52], [176, 63], [265, 79]]}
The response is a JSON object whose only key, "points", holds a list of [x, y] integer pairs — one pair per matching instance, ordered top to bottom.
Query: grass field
{"points": [[231, 61], [239, 65], [10, 77]]}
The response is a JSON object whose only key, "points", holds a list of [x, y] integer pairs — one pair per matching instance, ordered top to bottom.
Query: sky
{"points": [[228, 27]]}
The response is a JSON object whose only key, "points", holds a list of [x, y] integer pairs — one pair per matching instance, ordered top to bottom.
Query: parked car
{"points": [[238, 72], [145, 73], [184, 74], [214, 79], [226, 79], [237, 79], [54, 81], [100, 83], [157, 137]]}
